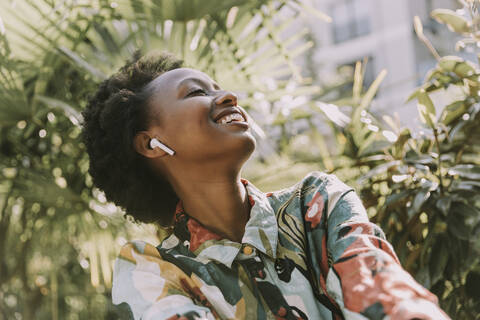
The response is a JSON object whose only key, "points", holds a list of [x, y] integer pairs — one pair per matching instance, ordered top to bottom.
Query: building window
{"points": [[350, 19]]}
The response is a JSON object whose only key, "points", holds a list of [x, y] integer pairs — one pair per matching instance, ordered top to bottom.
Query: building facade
{"points": [[383, 32]]}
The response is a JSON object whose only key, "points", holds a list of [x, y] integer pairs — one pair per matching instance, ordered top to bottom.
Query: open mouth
{"points": [[232, 117]]}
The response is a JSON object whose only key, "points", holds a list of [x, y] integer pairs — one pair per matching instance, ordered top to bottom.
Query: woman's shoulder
{"points": [[320, 177], [320, 181], [312, 182], [327, 183], [315, 184], [325, 189]]}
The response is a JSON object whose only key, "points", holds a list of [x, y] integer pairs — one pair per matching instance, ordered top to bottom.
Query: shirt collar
{"points": [[261, 231]]}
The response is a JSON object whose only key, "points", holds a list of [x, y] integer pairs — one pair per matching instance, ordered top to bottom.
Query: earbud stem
{"points": [[155, 143]]}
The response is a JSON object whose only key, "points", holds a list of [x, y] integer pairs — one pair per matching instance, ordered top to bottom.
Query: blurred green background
{"points": [[419, 181]]}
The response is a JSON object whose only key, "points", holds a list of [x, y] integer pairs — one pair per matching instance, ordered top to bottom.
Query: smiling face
{"points": [[193, 116]]}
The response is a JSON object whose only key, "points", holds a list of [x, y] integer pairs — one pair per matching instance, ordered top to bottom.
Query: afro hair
{"points": [[114, 114]]}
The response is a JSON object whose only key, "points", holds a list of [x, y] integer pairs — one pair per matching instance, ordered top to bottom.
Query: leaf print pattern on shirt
{"points": [[315, 210], [302, 263]]}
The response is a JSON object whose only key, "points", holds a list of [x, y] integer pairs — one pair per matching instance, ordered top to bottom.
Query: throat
{"points": [[221, 210]]}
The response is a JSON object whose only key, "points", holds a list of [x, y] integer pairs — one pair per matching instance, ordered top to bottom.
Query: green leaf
{"points": [[182, 10], [453, 20], [418, 26], [107, 37], [82, 63], [448, 63], [459, 66], [465, 69], [357, 81], [369, 95], [413, 95], [13, 107], [426, 108], [452, 112], [333, 113], [75, 117], [457, 131], [373, 145], [399, 145], [420, 159], [378, 170], [469, 171], [431, 185], [465, 185], [36, 187], [396, 197], [418, 201], [443, 204], [469, 214], [456, 225], [459, 229], [476, 239], [438, 260], [423, 276], [472, 283]]}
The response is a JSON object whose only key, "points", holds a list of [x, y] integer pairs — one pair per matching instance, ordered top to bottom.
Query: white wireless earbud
{"points": [[155, 143]]}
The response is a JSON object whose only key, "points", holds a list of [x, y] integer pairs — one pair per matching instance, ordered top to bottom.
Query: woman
{"points": [[167, 144]]}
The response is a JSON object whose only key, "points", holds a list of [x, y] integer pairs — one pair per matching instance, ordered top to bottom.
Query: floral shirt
{"points": [[308, 252]]}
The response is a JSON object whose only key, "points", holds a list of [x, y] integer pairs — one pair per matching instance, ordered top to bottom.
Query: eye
{"points": [[197, 92]]}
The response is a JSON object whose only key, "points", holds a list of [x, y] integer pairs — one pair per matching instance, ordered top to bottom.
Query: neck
{"points": [[218, 201]]}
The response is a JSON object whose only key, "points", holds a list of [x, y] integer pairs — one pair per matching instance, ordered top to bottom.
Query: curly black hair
{"points": [[114, 114]]}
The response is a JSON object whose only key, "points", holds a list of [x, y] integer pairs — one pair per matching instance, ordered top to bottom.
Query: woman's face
{"points": [[193, 116]]}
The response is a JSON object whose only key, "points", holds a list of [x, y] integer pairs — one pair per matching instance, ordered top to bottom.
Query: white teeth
{"points": [[230, 117]]}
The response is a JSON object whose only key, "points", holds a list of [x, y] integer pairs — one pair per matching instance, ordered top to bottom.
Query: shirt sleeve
{"points": [[363, 274], [154, 289]]}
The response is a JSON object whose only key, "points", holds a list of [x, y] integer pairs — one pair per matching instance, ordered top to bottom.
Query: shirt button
{"points": [[247, 250]]}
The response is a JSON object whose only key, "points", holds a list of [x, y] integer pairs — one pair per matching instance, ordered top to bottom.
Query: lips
{"points": [[230, 115]]}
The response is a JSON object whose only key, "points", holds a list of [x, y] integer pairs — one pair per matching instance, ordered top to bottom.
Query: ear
{"points": [[141, 143]]}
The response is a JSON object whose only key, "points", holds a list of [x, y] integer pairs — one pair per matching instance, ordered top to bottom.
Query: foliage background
{"points": [[58, 236]]}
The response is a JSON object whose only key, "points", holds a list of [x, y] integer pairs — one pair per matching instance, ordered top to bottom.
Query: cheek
{"points": [[190, 123]]}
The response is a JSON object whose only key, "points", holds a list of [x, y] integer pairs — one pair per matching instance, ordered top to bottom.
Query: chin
{"points": [[249, 146], [239, 148]]}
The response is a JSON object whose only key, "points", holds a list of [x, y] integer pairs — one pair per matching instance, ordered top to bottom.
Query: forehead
{"points": [[171, 79]]}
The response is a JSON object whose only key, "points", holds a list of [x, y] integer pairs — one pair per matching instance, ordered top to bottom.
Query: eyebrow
{"points": [[197, 80]]}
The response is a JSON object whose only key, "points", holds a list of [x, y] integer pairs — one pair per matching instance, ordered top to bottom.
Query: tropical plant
{"points": [[422, 188], [58, 236]]}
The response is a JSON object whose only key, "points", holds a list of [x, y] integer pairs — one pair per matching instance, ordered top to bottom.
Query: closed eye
{"points": [[196, 92]]}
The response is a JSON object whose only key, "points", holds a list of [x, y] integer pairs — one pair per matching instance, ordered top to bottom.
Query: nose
{"points": [[226, 97]]}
